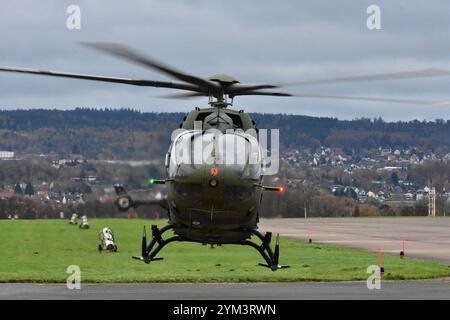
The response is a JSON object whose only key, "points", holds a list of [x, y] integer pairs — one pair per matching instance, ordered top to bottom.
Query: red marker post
{"points": [[309, 236], [403, 252], [380, 262]]}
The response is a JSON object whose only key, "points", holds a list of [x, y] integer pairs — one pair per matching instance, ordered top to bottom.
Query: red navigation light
{"points": [[214, 171], [281, 189]]}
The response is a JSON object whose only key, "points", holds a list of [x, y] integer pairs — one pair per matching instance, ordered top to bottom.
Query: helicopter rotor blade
{"points": [[131, 55], [423, 73], [144, 83], [202, 87], [235, 88], [235, 91], [261, 93], [184, 95], [334, 97], [379, 99], [442, 103]]}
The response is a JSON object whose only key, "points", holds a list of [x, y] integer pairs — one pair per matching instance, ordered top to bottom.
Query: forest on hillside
{"points": [[131, 134]]}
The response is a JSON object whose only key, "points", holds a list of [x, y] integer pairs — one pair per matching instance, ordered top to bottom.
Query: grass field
{"points": [[41, 251]]}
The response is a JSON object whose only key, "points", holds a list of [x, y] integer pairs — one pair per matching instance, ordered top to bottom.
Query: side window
{"points": [[178, 156], [167, 160], [170, 161]]}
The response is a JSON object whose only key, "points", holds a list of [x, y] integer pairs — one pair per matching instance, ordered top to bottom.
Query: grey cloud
{"points": [[256, 41]]}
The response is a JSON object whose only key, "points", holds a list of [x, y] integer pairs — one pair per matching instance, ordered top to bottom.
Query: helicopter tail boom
{"points": [[124, 201]]}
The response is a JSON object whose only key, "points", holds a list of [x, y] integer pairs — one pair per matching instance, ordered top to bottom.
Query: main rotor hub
{"points": [[223, 79], [220, 101], [220, 104]]}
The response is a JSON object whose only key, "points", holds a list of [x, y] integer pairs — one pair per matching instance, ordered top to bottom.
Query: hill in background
{"points": [[130, 134]]}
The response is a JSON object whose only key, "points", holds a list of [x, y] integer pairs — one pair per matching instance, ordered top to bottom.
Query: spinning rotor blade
{"points": [[131, 55], [423, 73], [145, 83], [220, 87], [237, 89], [262, 93], [183, 95], [306, 95], [319, 96], [442, 104]]}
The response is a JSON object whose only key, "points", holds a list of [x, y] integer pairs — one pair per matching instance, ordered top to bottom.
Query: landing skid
{"points": [[149, 251], [272, 257]]}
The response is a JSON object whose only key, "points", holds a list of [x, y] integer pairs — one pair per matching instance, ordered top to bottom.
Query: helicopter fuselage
{"points": [[213, 201], [213, 214]]}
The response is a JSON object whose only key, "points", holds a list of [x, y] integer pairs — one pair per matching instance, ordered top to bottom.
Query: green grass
{"points": [[41, 251]]}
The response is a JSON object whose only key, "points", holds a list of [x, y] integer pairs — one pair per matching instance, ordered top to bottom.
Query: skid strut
{"points": [[149, 253], [272, 257]]}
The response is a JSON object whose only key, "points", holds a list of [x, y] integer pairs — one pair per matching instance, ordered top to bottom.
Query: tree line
{"points": [[131, 134]]}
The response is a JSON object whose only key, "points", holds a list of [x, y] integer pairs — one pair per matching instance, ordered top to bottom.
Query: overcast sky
{"points": [[254, 41]]}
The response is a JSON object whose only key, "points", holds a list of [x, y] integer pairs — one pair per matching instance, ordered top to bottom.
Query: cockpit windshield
{"points": [[192, 150]]}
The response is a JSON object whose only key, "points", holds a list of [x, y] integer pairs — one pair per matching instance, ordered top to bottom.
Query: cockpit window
{"points": [[191, 150], [241, 153], [182, 161]]}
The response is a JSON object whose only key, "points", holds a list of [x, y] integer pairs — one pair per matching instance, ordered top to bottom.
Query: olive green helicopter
{"points": [[214, 201]]}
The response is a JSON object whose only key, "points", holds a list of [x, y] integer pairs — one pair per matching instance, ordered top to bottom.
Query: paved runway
{"points": [[426, 237], [432, 289]]}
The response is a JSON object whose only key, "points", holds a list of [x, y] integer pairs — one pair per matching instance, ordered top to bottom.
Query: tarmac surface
{"points": [[425, 237], [427, 289]]}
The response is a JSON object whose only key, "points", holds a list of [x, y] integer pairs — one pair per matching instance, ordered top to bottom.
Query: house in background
{"points": [[6, 155]]}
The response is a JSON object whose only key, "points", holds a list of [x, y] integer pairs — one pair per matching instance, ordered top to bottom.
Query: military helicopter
{"points": [[214, 202]]}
